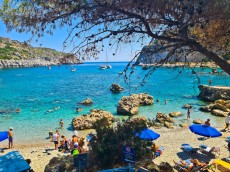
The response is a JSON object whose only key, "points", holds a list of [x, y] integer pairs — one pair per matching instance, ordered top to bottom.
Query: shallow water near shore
{"points": [[39, 90]]}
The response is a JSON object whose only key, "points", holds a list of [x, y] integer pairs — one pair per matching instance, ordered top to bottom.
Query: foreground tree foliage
{"points": [[181, 26], [107, 146]]}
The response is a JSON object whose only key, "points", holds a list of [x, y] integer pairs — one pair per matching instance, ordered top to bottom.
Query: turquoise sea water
{"points": [[36, 90]]}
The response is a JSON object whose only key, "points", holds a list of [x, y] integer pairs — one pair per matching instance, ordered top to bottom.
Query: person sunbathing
{"points": [[188, 166]]}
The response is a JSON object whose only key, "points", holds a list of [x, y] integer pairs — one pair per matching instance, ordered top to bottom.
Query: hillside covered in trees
{"points": [[20, 54]]}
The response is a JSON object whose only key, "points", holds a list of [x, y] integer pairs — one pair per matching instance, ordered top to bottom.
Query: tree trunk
{"points": [[223, 64]]}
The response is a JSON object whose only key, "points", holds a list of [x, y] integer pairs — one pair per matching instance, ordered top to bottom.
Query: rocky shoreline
{"points": [[34, 62]]}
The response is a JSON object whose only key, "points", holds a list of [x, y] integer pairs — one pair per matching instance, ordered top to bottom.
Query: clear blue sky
{"points": [[125, 53]]}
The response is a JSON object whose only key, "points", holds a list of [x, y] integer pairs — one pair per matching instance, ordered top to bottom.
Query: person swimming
{"points": [[78, 109], [18, 110]]}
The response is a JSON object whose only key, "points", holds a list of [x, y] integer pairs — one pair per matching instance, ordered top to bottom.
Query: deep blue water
{"points": [[36, 90]]}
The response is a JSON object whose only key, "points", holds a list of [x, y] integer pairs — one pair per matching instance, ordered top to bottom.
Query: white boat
{"points": [[108, 66], [102, 67], [73, 69]]}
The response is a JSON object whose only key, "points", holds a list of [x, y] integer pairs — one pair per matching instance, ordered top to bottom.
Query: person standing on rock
{"points": [[227, 121]]}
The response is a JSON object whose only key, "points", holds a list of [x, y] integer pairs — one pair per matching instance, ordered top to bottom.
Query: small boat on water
{"points": [[108, 66], [102, 67], [73, 69]]}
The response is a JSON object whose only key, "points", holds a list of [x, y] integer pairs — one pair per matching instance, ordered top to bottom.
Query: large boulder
{"points": [[116, 88], [213, 93], [87, 102], [128, 105], [187, 106], [221, 107], [207, 108], [218, 108], [219, 113], [175, 114], [162, 118], [137, 120], [86, 121], [198, 121], [168, 125], [184, 125], [64, 163]]}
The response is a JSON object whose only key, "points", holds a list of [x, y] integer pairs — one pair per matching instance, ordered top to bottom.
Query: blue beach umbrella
{"points": [[205, 130], [148, 134], [3, 135]]}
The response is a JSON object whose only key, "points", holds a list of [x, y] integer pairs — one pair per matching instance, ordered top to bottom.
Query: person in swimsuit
{"points": [[188, 113], [207, 122], [61, 123], [10, 136], [56, 139], [187, 166]]}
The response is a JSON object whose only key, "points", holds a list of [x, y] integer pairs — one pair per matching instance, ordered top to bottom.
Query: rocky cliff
{"points": [[152, 53], [17, 54], [213, 93]]}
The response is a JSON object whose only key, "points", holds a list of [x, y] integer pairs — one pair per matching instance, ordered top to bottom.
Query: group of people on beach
{"points": [[75, 145]]}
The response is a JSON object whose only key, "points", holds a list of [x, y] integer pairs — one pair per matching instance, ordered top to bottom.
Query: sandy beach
{"points": [[170, 139]]}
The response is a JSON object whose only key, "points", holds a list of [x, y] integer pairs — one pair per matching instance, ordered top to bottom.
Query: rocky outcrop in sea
{"points": [[116, 88], [213, 93], [87, 102], [128, 105], [219, 108], [87, 121]]}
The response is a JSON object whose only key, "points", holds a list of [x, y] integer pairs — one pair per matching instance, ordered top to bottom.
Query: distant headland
{"points": [[15, 54]]}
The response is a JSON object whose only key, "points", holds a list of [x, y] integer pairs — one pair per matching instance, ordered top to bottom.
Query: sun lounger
{"points": [[189, 149], [212, 151], [226, 159], [221, 165], [180, 167], [184, 167]]}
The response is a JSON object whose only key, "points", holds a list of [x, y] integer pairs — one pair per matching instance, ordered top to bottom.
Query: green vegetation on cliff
{"points": [[15, 50]]}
